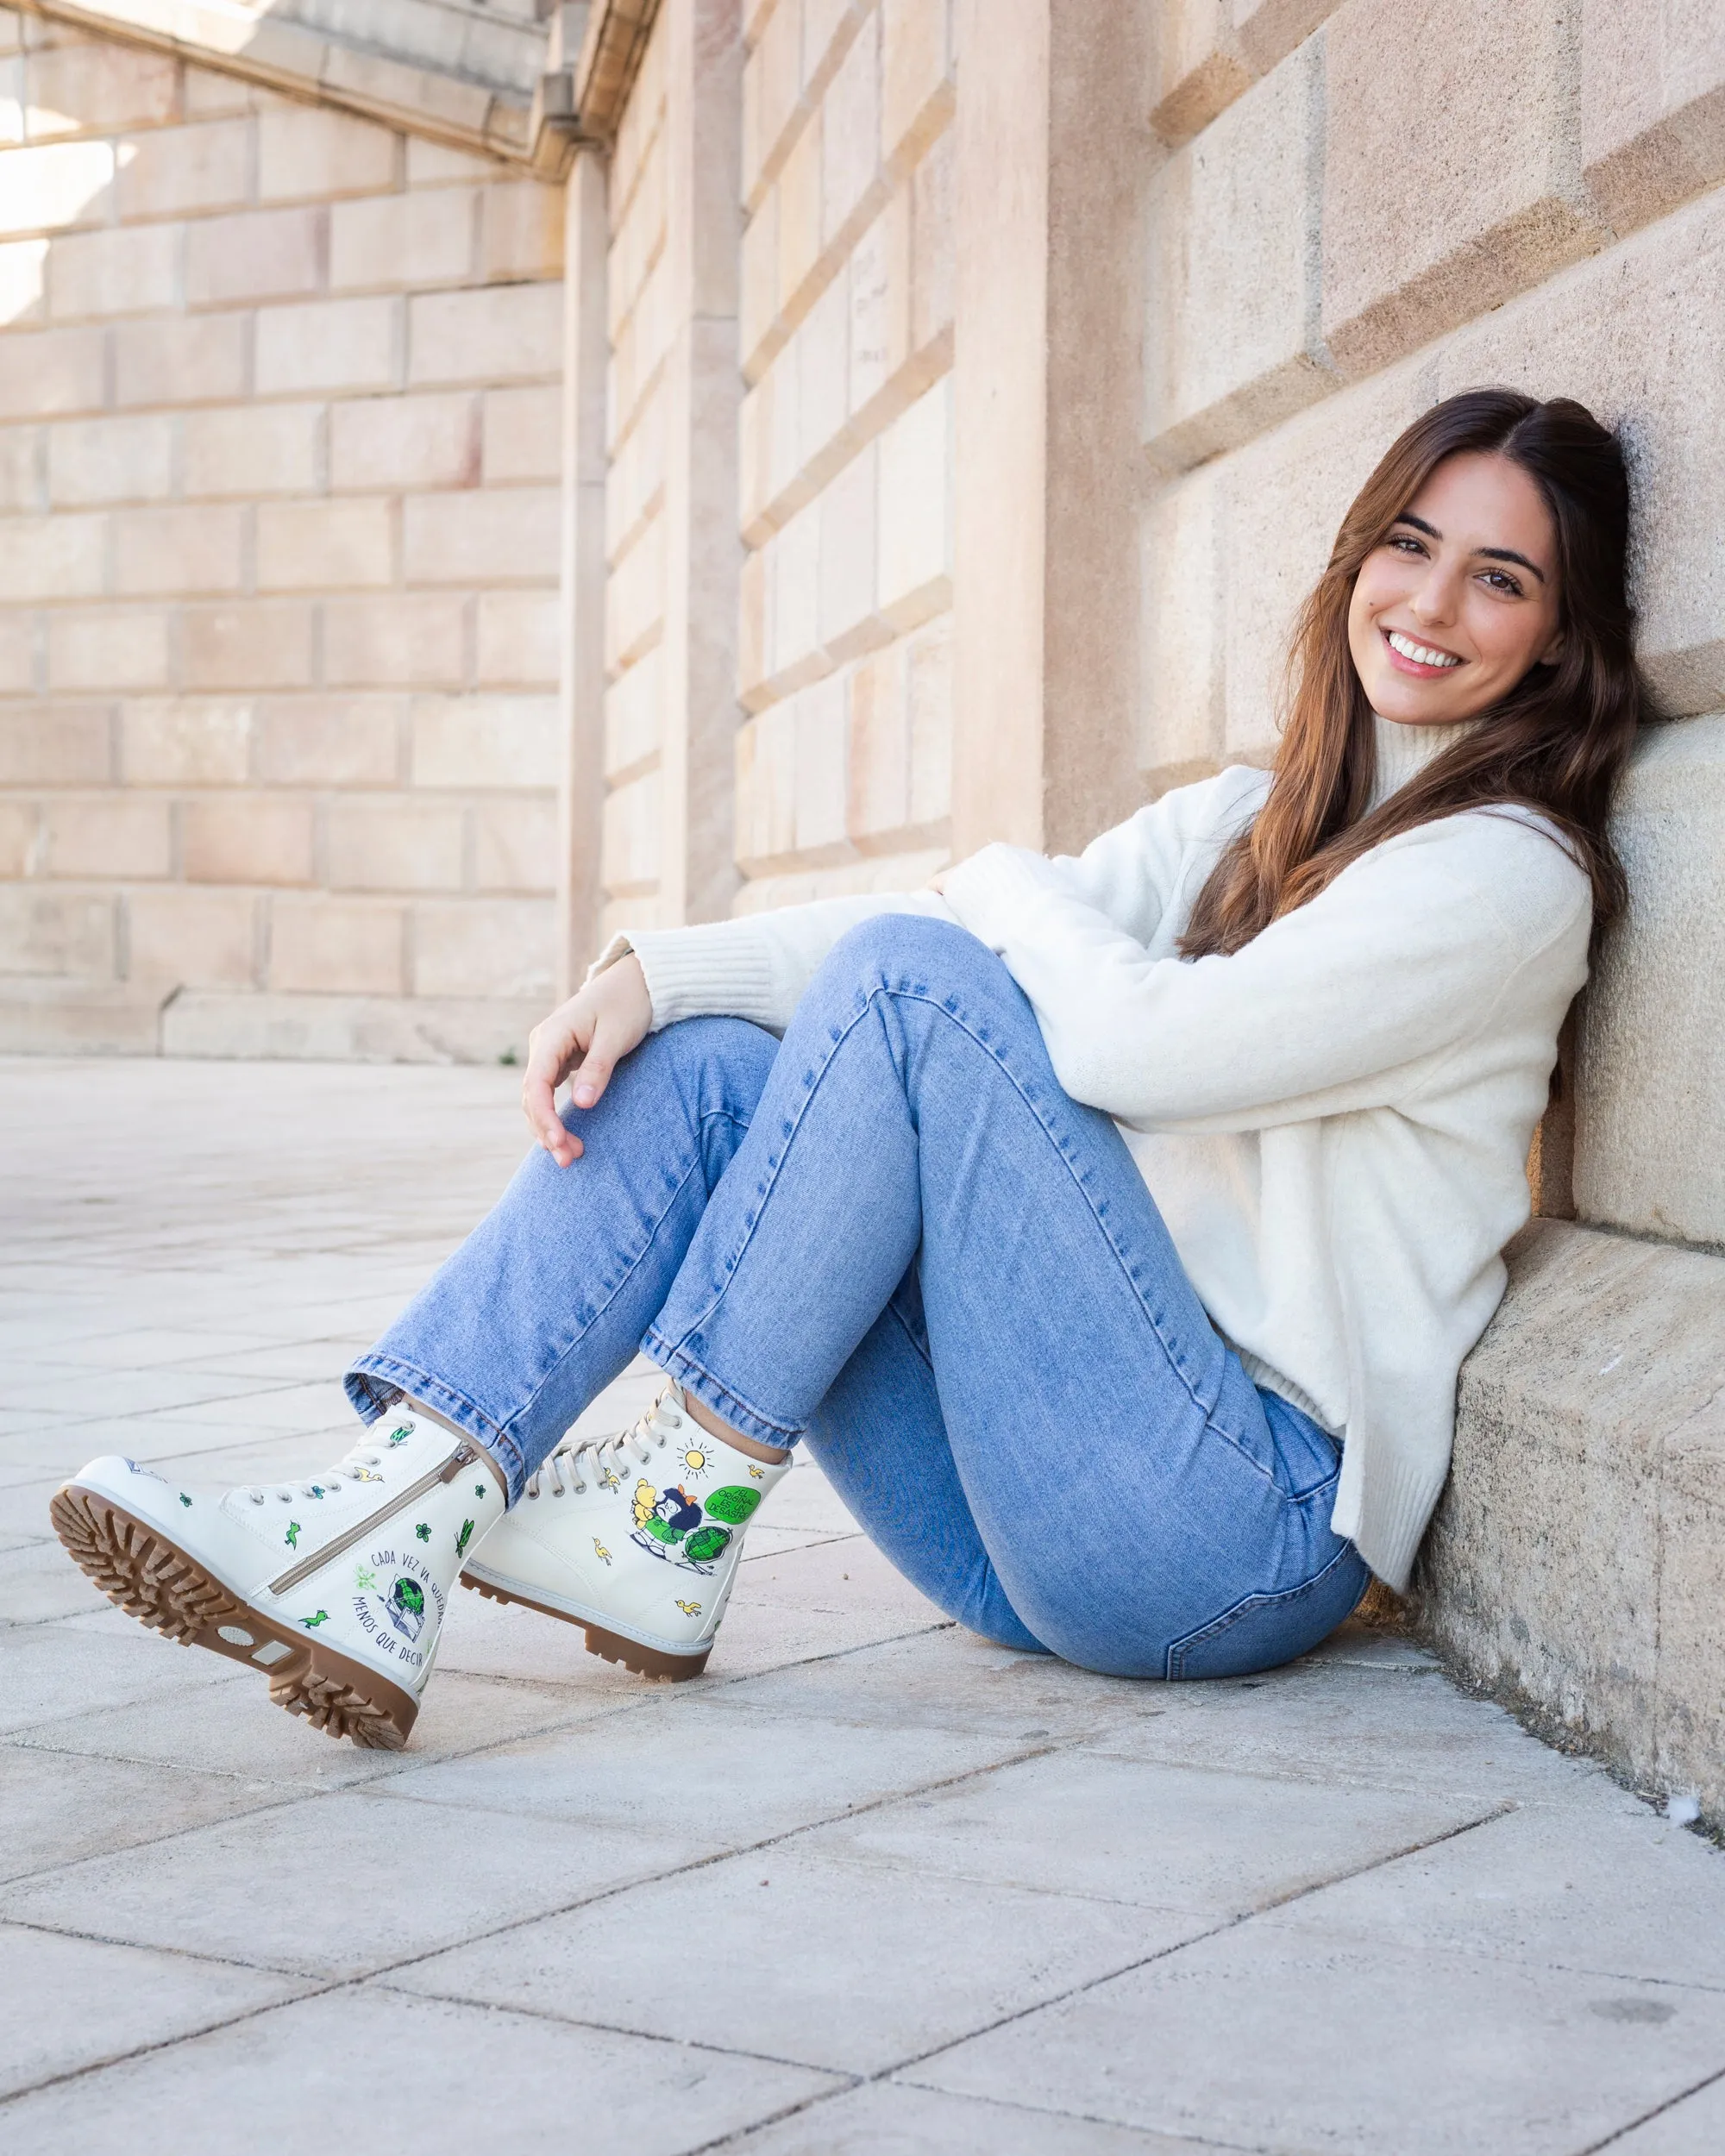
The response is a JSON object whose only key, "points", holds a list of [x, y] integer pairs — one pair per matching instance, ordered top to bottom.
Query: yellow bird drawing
{"points": [[600, 1551], [690, 1609]]}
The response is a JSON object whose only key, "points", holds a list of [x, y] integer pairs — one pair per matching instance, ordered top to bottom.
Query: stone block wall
{"points": [[1533, 197], [279, 554], [843, 761]]}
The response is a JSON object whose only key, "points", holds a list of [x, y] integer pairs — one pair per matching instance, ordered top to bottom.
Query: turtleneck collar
{"points": [[1404, 752]]}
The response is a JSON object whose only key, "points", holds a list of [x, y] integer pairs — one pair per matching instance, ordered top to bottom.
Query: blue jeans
{"points": [[895, 1236]]}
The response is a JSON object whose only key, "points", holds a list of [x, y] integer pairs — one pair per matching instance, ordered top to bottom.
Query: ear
{"points": [[1554, 651]]}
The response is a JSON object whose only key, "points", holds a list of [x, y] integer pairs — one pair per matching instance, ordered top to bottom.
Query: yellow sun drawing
{"points": [[696, 1459]]}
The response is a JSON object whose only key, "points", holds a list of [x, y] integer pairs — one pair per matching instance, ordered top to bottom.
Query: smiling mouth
{"points": [[1420, 658]]}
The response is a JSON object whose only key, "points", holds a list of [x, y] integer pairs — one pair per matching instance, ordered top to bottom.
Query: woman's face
{"points": [[1461, 599]]}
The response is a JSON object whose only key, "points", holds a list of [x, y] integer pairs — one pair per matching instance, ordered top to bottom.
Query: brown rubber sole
{"points": [[156, 1581], [609, 1646]]}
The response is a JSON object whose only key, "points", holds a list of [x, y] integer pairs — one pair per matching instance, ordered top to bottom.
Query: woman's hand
{"points": [[590, 1035]]}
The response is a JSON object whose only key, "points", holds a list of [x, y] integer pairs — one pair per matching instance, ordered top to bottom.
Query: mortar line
{"points": [[1658, 2110]]}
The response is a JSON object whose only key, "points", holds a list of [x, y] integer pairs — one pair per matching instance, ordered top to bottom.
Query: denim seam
{"points": [[922, 995], [434, 1392], [741, 1414], [1179, 1648]]}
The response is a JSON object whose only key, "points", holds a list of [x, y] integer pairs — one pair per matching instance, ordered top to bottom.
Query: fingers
{"points": [[550, 1049]]}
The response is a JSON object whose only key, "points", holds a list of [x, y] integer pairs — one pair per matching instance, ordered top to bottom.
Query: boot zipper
{"points": [[463, 1456]]}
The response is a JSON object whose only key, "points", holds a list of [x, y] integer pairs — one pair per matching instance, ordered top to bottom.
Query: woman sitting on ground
{"points": [[1112, 1229]]}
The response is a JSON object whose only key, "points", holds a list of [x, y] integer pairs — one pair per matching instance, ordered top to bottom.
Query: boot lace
{"points": [[363, 1463], [570, 1464]]}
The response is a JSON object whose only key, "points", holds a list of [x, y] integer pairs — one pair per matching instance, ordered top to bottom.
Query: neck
{"points": [[1403, 751]]}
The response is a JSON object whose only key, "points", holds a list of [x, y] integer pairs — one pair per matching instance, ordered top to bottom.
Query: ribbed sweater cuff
{"points": [[721, 969]]}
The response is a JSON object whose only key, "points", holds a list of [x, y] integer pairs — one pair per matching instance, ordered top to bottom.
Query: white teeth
{"points": [[1417, 653]]}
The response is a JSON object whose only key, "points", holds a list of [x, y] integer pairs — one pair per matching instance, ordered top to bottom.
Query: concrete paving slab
{"points": [[843, 1574], [41, 1583], [50, 1670], [1383, 1728], [689, 1771], [59, 1806], [1159, 1837], [336, 1885], [1629, 1895], [885, 1969], [69, 2004], [1280, 2040], [309, 2076], [886, 2118], [1693, 2126]]}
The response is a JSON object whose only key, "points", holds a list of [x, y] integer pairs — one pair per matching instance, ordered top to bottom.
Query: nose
{"points": [[1438, 599]]}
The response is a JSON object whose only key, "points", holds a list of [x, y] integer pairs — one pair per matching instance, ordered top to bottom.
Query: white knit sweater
{"points": [[1334, 1121]]}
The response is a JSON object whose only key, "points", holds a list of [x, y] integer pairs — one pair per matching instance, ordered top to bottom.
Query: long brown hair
{"points": [[1557, 744]]}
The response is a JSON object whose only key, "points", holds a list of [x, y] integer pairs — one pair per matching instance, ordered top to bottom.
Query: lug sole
{"points": [[153, 1579], [609, 1646]]}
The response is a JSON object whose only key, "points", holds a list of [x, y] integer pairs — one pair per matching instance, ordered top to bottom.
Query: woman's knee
{"points": [[913, 950]]}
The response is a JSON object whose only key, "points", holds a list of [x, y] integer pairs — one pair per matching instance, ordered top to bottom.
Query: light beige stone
{"points": [[1268, 30], [1201, 68], [97, 89], [917, 90], [772, 93], [207, 94], [1651, 105], [850, 134], [311, 152], [439, 165], [174, 170], [56, 186], [798, 196], [934, 228], [521, 231], [386, 242], [1415, 246], [261, 254], [130, 270], [23, 282], [759, 329], [511, 334], [881, 338], [328, 344], [1231, 346], [179, 359], [47, 371], [822, 390], [522, 435], [404, 441], [246, 450], [97, 461], [23, 473], [482, 536], [325, 546], [178, 550], [51, 557], [793, 559], [915, 570], [848, 622], [754, 627], [517, 639], [409, 640], [246, 645], [117, 649], [17, 653], [928, 664], [1182, 711], [331, 741], [179, 742], [475, 742], [56, 745], [820, 758], [879, 792], [107, 836], [246, 838], [394, 843], [22, 844], [515, 844], [48, 931], [194, 939], [347, 946], [483, 947], [1650, 1113]]}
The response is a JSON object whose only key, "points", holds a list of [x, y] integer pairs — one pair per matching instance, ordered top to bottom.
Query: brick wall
{"points": [[1369, 205], [279, 556], [843, 761]]}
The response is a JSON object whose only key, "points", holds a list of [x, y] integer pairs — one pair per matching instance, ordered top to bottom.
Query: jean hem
{"points": [[694, 1378], [439, 1399]]}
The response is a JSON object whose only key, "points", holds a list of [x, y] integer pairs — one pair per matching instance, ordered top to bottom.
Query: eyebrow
{"points": [[1489, 554]]}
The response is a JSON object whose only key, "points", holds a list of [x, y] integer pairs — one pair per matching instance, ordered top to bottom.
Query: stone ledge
{"points": [[476, 105], [54, 1016], [1574, 1567]]}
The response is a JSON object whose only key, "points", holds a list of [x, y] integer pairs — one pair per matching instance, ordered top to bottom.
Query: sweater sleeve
{"points": [[755, 967], [1341, 1005]]}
